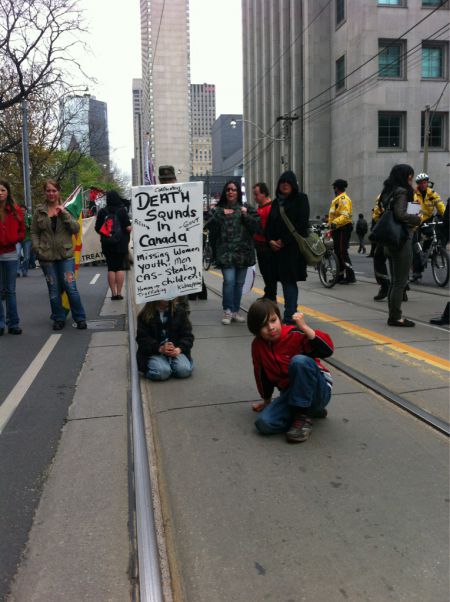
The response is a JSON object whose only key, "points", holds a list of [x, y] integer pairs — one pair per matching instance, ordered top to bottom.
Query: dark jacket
{"points": [[399, 203], [361, 227], [12, 229], [232, 235], [49, 245], [122, 246], [290, 264], [149, 335]]}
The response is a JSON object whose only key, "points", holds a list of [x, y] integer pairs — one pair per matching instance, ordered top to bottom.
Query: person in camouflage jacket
{"points": [[232, 227]]}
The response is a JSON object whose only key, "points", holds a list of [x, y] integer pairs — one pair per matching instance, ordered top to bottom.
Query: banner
{"points": [[167, 240], [91, 249]]}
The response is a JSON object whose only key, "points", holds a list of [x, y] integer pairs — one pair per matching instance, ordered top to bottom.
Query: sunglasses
{"points": [[231, 190]]}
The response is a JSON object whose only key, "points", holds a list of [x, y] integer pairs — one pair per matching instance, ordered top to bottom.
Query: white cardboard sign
{"points": [[167, 240]]}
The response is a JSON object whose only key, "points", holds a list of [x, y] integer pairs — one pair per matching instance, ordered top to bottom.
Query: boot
{"points": [[382, 293]]}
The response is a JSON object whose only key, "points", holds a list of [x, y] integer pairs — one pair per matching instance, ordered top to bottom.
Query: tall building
{"points": [[359, 75], [166, 84], [203, 115], [86, 127], [227, 145], [137, 163]]}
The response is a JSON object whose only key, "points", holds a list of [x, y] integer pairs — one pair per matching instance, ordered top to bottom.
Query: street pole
{"points": [[287, 126], [426, 138], [26, 156]]}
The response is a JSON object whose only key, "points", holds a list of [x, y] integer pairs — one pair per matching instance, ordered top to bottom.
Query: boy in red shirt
{"points": [[286, 357]]}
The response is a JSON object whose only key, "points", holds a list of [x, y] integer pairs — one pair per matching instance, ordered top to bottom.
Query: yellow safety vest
{"points": [[428, 204], [340, 211]]}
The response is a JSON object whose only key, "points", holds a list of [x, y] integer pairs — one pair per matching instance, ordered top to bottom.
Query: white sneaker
{"points": [[226, 317], [236, 317]]}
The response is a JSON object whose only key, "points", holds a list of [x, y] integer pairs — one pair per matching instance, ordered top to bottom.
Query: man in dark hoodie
{"points": [[290, 264]]}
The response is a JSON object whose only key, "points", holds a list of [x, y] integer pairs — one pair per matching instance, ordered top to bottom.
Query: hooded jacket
{"points": [[429, 203], [341, 210], [12, 229], [49, 245], [290, 264], [271, 360]]}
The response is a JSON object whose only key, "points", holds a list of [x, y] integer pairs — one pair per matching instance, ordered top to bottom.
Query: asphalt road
{"points": [[29, 440]]}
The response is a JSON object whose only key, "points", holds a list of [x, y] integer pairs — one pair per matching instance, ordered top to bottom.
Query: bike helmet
{"points": [[422, 176]]}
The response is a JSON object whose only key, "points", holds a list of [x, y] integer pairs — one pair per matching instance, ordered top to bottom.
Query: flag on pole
{"points": [[74, 205]]}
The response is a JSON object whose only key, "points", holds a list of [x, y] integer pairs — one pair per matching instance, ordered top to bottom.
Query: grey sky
{"points": [[216, 50]]}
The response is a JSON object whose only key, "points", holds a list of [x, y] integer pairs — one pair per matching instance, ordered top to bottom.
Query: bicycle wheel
{"points": [[207, 257], [440, 266], [328, 269]]}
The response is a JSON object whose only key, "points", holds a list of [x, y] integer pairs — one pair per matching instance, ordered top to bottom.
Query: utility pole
{"points": [[287, 126], [426, 138], [26, 156]]}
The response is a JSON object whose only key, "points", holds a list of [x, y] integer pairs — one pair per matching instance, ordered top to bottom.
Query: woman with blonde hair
{"points": [[51, 237]]}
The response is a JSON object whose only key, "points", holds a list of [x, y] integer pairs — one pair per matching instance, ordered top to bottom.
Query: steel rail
{"points": [[437, 423], [148, 557]]}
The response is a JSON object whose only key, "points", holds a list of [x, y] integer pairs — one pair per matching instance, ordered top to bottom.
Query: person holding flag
{"points": [[51, 236]]}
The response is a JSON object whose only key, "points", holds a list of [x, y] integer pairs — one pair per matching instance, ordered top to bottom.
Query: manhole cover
{"points": [[101, 324]]}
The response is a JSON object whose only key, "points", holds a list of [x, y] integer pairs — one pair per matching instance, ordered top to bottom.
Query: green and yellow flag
{"points": [[74, 205]]}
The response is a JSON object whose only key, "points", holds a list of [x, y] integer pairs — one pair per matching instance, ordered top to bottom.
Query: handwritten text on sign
{"points": [[167, 239]]}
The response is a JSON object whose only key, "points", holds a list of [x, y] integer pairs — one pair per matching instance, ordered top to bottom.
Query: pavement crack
{"points": [[207, 405], [93, 418]]}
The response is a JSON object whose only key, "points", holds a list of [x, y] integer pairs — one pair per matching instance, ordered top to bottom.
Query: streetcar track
{"points": [[411, 408]]}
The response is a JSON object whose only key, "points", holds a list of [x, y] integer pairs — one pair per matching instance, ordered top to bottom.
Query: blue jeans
{"points": [[24, 247], [8, 275], [60, 276], [233, 282], [290, 293], [161, 367], [307, 389]]}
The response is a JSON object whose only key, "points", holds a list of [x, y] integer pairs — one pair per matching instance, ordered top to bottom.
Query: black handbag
{"points": [[387, 230]]}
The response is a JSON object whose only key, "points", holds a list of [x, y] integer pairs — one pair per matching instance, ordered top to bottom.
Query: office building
{"points": [[358, 76], [166, 110], [203, 115], [86, 127], [227, 145], [137, 163]]}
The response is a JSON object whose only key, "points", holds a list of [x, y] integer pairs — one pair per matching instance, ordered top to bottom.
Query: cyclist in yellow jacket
{"points": [[430, 202], [340, 220]]}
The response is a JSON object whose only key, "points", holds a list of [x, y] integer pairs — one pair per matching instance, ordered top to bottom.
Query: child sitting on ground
{"points": [[165, 339], [286, 357]]}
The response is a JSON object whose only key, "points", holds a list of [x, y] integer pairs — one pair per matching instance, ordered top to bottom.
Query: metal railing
{"points": [[148, 557]]}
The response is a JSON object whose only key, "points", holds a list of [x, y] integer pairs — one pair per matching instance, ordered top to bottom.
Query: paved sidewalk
{"points": [[357, 513], [79, 546]]}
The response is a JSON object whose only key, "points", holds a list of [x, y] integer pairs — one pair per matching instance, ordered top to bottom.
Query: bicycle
{"points": [[207, 251], [435, 252], [328, 267]]}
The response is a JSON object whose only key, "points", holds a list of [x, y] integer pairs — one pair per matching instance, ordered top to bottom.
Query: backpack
{"points": [[111, 231]]}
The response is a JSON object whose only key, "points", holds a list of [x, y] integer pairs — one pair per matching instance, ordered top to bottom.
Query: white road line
{"points": [[94, 279], [13, 400]]}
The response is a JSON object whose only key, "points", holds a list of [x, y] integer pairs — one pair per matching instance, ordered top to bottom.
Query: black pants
{"points": [[341, 240], [380, 266], [267, 267]]}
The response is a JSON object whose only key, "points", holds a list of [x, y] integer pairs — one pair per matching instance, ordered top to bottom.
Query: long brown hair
{"points": [[9, 199], [150, 309]]}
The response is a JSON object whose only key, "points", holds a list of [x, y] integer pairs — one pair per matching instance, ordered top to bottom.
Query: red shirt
{"points": [[263, 213], [12, 229], [271, 360]]}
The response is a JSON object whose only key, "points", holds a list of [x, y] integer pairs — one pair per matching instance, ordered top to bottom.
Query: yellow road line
{"points": [[365, 333]]}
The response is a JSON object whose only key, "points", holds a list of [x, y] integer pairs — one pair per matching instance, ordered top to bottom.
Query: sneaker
{"points": [[226, 317], [236, 317], [58, 325], [81, 325], [15, 330], [323, 413], [299, 430]]}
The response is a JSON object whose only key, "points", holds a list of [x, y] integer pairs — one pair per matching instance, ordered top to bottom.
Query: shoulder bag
{"points": [[387, 231], [311, 247]]}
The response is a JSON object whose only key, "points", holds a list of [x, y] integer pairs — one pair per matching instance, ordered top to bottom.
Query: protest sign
{"points": [[167, 240], [91, 249]]}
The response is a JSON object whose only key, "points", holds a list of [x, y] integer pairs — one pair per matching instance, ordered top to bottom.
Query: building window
{"points": [[391, 2], [432, 3], [340, 11], [391, 58], [433, 61], [340, 74], [391, 130], [437, 132]]}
